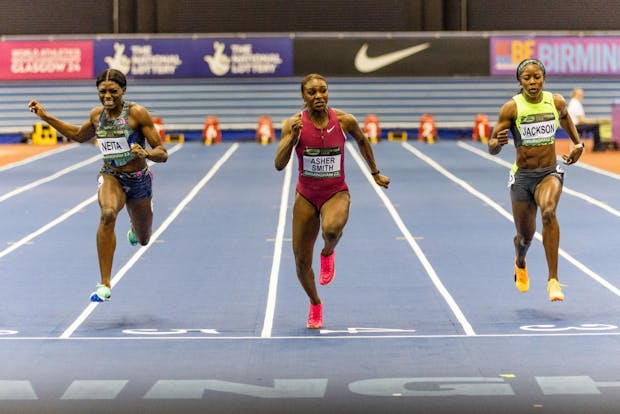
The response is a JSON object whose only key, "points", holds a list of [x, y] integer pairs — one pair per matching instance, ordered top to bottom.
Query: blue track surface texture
{"points": [[422, 316]]}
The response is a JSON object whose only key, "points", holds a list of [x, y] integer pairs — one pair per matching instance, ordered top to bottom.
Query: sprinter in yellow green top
{"points": [[532, 117]]}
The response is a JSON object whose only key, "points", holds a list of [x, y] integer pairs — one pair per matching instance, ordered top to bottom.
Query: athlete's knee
{"points": [[108, 216], [548, 216], [332, 231], [331, 235], [144, 240], [523, 241], [303, 265]]}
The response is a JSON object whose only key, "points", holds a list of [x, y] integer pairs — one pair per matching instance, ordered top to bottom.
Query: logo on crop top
{"points": [[366, 64], [531, 118]]}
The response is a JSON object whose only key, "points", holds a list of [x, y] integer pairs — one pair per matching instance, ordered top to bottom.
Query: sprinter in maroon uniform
{"points": [[322, 200]]}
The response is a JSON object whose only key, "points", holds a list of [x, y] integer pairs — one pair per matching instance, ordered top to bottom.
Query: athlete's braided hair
{"points": [[113, 75]]}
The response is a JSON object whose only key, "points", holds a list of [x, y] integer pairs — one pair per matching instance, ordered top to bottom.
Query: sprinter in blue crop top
{"points": [[533, 116], [122, 130]]}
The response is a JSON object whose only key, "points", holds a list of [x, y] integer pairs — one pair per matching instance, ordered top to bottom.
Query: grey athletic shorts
{"points": [[523, 183]]}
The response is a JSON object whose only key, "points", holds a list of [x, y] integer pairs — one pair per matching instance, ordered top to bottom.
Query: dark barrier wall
{"points": [[542, 15], [221, 16], [298, 16], [41, 17], [56, 17]]}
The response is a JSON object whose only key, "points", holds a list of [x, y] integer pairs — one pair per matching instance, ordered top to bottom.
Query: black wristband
{"points": [[375, 173]]}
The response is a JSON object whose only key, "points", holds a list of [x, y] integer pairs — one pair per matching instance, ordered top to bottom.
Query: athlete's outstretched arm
{"points": [[567, 124], [351, 126], [73, 132], [290, 136], [499, 136], [158, 152]]}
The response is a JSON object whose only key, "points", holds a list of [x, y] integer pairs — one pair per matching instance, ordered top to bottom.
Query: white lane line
{"points": [[39, 156], [598, 170], [49, 178], [566, 189], [179, 208], [508, 216], [60, 219], [48, 226], [277, 254], [469, 331], [306, 337]]}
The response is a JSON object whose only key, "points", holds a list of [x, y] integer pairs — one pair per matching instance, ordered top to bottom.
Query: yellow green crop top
{"points": [[536, 123]]}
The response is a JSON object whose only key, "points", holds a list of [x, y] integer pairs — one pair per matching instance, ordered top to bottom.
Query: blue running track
{"points": [[422, 317]]}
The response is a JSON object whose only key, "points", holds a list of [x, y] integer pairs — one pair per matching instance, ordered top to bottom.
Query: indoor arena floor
{"points": [[422, 317]]}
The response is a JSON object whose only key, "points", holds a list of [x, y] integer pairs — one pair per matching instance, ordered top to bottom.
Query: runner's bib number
{"points": [[538, 133], [112, 146], [115, 149], [322, 162]]}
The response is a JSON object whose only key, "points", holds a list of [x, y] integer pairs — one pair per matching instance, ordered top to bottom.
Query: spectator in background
{"points": [[583, 124]]}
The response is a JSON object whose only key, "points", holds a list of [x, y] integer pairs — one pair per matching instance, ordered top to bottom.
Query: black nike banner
{"points": [[403, 56]]}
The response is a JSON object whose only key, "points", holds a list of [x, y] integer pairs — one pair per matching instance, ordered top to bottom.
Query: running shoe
{"points": [[131, 237], [328, 270], [521, 279], [555, 291], [102, 293], [315, 318]]}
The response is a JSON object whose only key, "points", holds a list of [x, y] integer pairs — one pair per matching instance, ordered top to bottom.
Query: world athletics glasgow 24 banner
{"points": [[561, 55], [32, 60]]}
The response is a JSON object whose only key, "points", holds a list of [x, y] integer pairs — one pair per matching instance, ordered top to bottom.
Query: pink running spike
{"points": [[328, 270], [315, 318]]}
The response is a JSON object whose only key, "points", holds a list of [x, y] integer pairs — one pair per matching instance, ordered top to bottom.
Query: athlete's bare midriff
{"points": [[533, 157]]}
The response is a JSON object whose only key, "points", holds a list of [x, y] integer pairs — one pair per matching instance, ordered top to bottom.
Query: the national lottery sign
{"points": [[196, 58]]}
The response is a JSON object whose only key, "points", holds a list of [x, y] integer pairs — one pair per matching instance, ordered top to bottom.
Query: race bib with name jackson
{"points": [[537, 129], [322, 162]]}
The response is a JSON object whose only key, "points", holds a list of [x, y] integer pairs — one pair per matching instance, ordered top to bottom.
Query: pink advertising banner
{"points": [[561, 55], [32, 60]]}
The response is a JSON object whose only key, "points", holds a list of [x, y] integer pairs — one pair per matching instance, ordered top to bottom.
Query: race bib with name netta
{"points": [[113, 145], [115, 148], [322, 162]]}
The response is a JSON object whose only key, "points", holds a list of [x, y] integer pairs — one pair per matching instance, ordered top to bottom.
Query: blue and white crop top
{"points": [[115, 136]]}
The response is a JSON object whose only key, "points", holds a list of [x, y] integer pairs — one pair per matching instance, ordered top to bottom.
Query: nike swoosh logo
{"points": [[366, 64], [331, 129]]}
